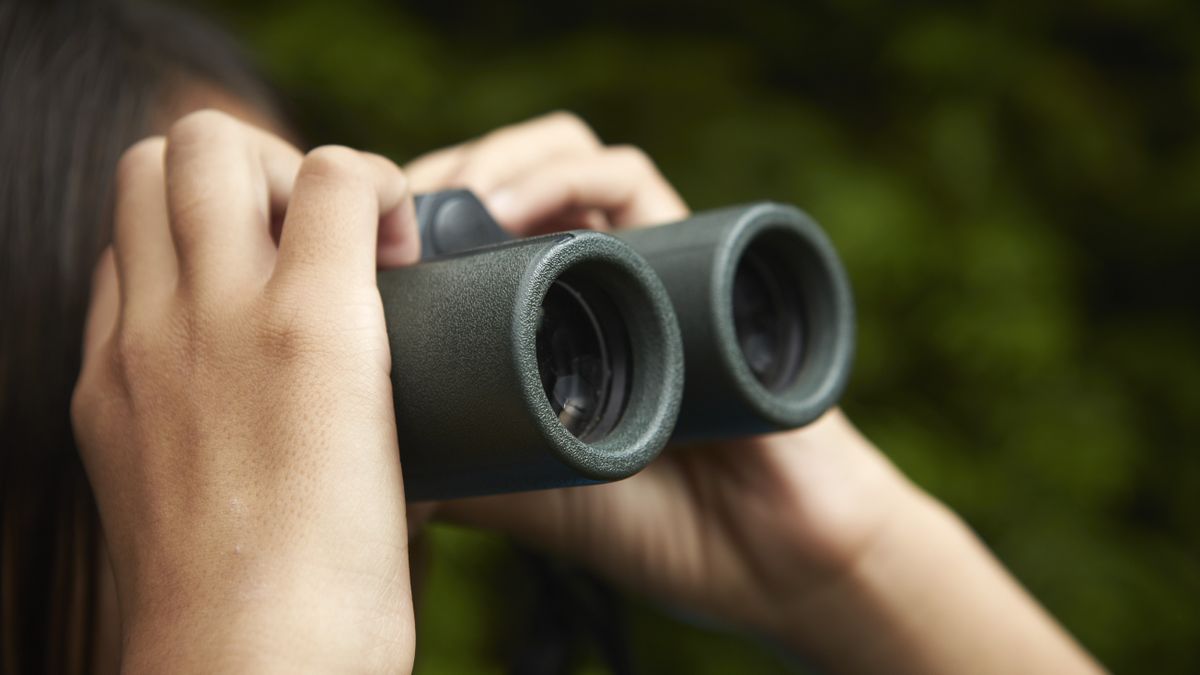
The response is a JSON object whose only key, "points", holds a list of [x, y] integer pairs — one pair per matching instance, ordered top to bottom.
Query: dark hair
{"points": [[80, 80]]}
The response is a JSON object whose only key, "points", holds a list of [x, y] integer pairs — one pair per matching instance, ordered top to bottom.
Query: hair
{"points": [[81, 80]]}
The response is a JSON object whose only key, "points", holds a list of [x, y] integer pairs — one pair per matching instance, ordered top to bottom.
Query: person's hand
{"points": [[551, 174], [234, 411], [743, 529], [810, 536]]}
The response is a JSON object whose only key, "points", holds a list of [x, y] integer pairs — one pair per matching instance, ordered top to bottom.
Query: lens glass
{"points": [[768, 318], [583, 358]]}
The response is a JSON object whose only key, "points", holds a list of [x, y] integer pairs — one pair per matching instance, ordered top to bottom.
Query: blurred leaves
{"points": [[1015, 188]]}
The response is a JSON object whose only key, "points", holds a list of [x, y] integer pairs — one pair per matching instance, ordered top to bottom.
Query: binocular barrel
{"points": [[766, 314], [556, 360], [530, 364]]}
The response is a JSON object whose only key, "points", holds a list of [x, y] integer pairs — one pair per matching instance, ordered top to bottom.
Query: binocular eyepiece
{"points": [[765, 312], [559, 360]]}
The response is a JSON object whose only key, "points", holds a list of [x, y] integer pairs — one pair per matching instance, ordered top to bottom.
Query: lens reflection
{"points": [[767, 315], [582, 359]]}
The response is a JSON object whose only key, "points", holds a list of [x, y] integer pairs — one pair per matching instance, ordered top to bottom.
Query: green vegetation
{"points": [[1015, 188]]}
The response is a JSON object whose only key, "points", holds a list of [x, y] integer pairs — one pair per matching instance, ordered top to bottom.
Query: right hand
{"points": [[234, 411]]}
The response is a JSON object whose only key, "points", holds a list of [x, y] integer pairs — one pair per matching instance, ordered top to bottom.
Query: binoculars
{"points": [[573, 358]]}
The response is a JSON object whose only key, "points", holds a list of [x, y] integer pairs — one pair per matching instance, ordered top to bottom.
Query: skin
{"points": [[233, 411], [242, 448], [809, 536]]}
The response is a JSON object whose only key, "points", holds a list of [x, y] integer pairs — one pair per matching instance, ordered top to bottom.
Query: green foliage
{"points": [[1015, 189]]}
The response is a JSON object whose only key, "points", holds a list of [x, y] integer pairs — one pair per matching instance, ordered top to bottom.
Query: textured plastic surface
{"points": [[452, 221], [696, 260], [471, 413]]}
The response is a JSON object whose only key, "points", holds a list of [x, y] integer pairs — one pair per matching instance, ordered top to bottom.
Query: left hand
{"points": [[591, 185], [732, 529], [810, 535]]}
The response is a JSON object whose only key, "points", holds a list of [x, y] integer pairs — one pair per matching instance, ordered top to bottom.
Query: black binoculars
{"points": [[558, 360]]}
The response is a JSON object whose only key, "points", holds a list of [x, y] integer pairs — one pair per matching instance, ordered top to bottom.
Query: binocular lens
{"points": [[767, 316], [583, 358]]}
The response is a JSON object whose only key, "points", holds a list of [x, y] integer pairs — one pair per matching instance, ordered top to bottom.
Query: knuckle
{"points": [[570, 124], [204, 126], [145, 154], [634, 157], [335, 162], [382, 162], [388, 170], [428, 172], [104, 266], [308, 328], [289, 332], [132, 352], [94, 401], [82, 404]]}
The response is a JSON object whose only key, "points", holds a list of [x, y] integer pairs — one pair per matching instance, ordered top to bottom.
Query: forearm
{"points": [[928, 597]]}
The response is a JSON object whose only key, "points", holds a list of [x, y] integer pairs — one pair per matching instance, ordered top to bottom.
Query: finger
{"points": [[511, 151], [500, 155], [432, 171], [223, 178], [622, 182], [569, 219], [573, 219], [330, 232], [399, 240], [142, 255], [105, 303], [539, 518], [597, 524]]}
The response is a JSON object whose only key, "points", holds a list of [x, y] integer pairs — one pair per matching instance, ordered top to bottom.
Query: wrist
{"points": [[842, 499], [894, 515], [927, 596], [857, 612]]}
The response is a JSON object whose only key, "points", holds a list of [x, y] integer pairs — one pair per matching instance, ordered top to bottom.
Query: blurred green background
{"points": [[1015, 188]]}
